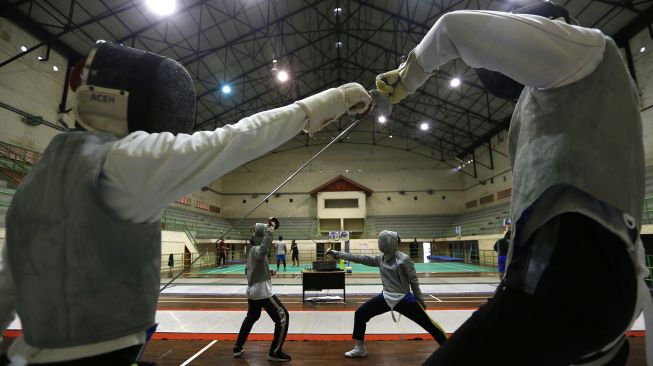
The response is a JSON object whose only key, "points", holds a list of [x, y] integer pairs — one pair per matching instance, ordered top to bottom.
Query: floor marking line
{"points": [[436, 299], [198, 353]]}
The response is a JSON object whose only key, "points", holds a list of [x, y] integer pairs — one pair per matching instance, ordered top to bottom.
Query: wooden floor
{"points": [[168, 302], [190, 351], [309, 353], [315, 353]]}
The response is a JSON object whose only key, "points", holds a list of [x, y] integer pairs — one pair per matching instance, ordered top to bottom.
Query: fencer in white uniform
{"points": [[576, 150], [81, 263]]}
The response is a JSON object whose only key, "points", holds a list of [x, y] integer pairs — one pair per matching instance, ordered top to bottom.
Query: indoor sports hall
{"points": [[437, 171]]}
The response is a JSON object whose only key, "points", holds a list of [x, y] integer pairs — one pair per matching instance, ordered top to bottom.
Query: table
{"points": [[323, 280]]}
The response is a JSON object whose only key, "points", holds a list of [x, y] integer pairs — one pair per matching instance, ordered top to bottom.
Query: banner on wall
{"points": [[334, 235], [344, 235]]}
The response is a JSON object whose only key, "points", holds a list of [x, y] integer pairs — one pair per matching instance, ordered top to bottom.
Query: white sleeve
{"points": [[530, 49], [143, 173], [7, 291]]}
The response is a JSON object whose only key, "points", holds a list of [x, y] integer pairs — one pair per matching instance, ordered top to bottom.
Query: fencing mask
{"points": [[502, 86], [121, 89], [258, 232], [388, 242]]}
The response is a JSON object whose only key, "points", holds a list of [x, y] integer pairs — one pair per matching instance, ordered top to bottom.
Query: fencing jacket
{"points": [[138, 177], [58, 216]]}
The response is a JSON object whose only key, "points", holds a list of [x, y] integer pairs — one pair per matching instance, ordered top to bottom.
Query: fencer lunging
{"points": [[91, 207], [399, 278]]}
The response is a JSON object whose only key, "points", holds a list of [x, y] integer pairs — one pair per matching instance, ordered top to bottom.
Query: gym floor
{"points": [[200, 318]]}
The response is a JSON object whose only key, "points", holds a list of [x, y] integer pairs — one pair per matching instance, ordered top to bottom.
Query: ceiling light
{"points": [[162, 7], [337, 11], [338, 44], [23, 48], [641, 50], [39, 58], [55, 68], [282, 76], [455, 82], [226, 89], [382, 119], [424, 126], [390, 136], [346, 170]]}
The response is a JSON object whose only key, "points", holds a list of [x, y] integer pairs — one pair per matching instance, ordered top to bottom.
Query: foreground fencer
{"points": [[82, 262], [575, 262], [399, 278], [260, 295]]}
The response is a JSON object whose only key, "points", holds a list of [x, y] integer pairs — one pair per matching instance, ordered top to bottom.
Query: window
{"points": [[184, 201], [341, 203], [202, 205], [214, 209]]}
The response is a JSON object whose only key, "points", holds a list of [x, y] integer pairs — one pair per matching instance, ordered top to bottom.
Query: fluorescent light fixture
{"points": [[162, 7], [282, 76], [455, 82], [226, 89], [382, 119], [424, 126]]}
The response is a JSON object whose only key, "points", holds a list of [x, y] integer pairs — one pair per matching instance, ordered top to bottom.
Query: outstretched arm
{"points": [[530, 49], [368, 260]]}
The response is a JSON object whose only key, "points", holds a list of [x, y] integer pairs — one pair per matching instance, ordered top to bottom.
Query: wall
{"points": [[643, 62], [32, 86], [400, 175], [489, 181], [326, 213]]}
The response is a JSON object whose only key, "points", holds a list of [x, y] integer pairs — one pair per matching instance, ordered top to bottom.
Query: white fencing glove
{"points": [[399, 83], [327, 106], [330, 252]]}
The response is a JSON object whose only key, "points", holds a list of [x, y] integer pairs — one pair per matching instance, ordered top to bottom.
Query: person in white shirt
{"points": [[281, 253], [575, 260], [81, 264]]}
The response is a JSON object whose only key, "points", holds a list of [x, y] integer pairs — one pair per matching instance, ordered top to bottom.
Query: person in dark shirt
{"points": [[501, 247], [295, 253]]}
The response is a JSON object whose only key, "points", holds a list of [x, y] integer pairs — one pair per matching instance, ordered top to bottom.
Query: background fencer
{"points": [[91, 208], [575, 260], [401, 291], [261, 296]]}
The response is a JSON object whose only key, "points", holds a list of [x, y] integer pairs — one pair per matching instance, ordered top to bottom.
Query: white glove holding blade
{"points": [[405, 80], [329, 105], [330, 252]]}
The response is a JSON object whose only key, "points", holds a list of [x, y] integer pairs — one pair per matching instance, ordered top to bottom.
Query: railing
{"points": [[16, 159]]}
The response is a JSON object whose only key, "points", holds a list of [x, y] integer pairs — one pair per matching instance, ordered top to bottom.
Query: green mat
{"points": [[440, 267]]}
